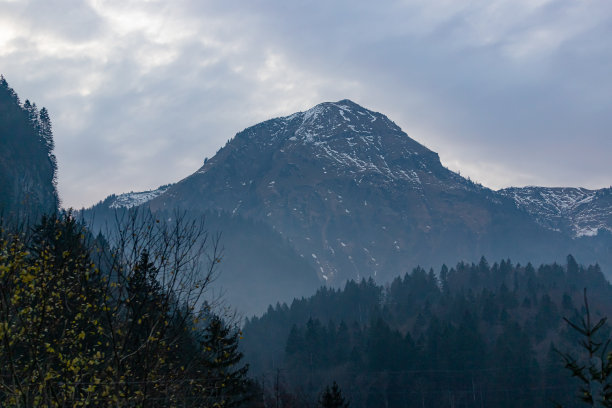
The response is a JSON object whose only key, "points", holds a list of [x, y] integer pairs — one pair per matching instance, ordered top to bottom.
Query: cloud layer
{"points": [[508, 92]]}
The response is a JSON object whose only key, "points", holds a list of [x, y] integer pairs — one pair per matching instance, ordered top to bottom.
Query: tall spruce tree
{"points": [[228, 383], [332, 397]]}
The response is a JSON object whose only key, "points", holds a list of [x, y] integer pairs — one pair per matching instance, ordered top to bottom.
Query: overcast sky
{"points": [[510, 93]]}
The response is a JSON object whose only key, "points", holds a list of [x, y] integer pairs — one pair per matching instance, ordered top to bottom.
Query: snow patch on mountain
{"points": [[329, 118], [345, 134], [350, 138], [132, 199], [553, 201], [581, 211]]}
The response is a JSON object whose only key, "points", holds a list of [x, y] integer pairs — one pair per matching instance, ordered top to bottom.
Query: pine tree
{"points": [[46, 128], [46, 135], [143, 286], [146, 318], [295, 342], [593, 369], [229, 385], [332, 397]]}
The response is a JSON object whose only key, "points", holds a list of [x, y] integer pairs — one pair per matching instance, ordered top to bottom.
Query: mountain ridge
{"points": [[312, 175], [523, 197], [574, 210]]}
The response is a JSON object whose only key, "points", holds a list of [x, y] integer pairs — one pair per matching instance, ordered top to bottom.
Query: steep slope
{"points": [[27, 164], [357, 197], [575, 211], [258, 266]]}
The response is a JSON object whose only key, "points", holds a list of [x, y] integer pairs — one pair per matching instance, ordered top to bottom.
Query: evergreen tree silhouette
{"points": [[229, 382], [333, 398]]}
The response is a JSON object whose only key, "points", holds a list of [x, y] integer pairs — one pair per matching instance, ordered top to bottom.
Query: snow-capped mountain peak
{"points": [[329, 119], [347, 138], [356, 196]]}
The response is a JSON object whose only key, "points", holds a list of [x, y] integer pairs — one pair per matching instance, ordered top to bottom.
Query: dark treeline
{"points": [[28, 167], [476, 335]]}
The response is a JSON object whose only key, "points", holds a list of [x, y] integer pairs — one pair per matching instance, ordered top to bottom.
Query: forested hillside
{"points": [[28, 168], [473, 335]]}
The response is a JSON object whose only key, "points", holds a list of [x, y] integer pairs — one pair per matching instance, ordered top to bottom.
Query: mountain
{"points": [[27, 164], [352, 192], [355, 196], [575, 211]]}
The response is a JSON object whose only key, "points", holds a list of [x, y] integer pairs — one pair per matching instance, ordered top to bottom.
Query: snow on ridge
{"points": [[345, 108], [312, 114], [345, 118], [324, 121], [345, 133], [360, 149], [374, 162], [133, 199], [552, 200], [576, 208], [586, 231]]}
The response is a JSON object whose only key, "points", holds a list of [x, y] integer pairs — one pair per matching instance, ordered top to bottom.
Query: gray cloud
{"points": [[508, 92]]}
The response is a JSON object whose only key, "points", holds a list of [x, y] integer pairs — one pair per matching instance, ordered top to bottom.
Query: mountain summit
{"points": [[341, 136], [345, 185], [345, 194], [357, 197]]}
